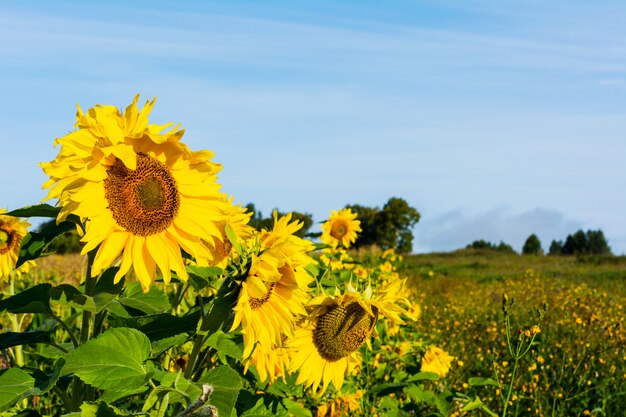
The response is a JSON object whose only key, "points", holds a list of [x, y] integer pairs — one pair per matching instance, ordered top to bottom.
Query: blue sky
{"points": [[494, 119]]}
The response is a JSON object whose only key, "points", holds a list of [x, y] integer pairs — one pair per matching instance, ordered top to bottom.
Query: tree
{"points": [[259, 222], [389, 227], [592, 242], [482, 244], [532, 246], [556, 248]]}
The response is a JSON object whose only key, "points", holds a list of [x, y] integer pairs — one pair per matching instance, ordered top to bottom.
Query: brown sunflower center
{"points": [[144, 201], [339, 229], [6, 239], [258, 302], [342, 330]]}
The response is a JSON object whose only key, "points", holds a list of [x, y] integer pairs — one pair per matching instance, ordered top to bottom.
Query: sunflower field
{"points": [[176, 306]]}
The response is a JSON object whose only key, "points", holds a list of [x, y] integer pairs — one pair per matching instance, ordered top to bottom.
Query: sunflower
{"points": [[142, 194], [236, 218], [341, 228], [12, 231], [275, 289], [325, 347], [436, 360], [270, 364], [342, 405]]}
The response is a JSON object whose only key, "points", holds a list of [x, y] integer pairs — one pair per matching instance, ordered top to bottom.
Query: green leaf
{"points": [[37, 210], [35, 243], [201, 277], [106, 290], [71, 296], [33, 300], [152, 302], [159, 326], [10, 339], [226, 344], [162, 345], [113, 360], [43, 381], [478, 382], [15, 384], [226, 385], [178, 389], [112, 395], [264, 405], [99, 409], [296, 409]]}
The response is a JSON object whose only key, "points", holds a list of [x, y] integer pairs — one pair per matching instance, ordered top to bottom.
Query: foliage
{"points": [[389, 227], [67, 242], [591, 242], [488, 246], [532, 246]]}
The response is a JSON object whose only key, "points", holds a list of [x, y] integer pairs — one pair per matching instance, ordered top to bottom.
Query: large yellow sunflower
{"points": [[142, 193], [341, 228], [12, 231], [275, 290], [325, 348]]}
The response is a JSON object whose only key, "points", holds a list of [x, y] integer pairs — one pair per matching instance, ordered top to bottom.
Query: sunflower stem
{"points": [[18, 352], [79, 390]]}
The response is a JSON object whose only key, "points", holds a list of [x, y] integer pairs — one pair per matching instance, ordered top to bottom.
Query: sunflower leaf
{"points": [[41, 210], [34, 243], [33, 300], [152, 302], [159, 326], [10, 339], [113, 360], [16, 384], [226, 384]]}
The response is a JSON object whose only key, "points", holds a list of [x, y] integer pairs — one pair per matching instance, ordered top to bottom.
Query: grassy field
{"points": [[578, 366]]}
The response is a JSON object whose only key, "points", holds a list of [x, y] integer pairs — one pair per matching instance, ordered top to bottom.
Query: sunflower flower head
{"points": [[142, 194], [341, 228], [12, 231], [274, 291], [325, 346], [436, 360]]}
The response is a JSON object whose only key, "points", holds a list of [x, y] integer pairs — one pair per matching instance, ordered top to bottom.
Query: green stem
{"points": [[90, 284], [66, 327], [197, 343], [18, 350], [79, 390], [67, 401]]}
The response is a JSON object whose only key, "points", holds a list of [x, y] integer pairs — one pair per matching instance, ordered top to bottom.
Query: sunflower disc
{"points": [[342, 330]]}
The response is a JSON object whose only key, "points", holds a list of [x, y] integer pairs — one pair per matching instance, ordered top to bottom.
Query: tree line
{"points": [[591, 242]]}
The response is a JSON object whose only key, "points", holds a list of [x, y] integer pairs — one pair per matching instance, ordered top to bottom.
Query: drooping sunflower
{"points": [[142, 194], [341, 228], [12, 231], [274, 292], [325, 348]]}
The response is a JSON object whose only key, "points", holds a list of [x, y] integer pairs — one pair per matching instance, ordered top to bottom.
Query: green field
{"points": [[578, 364]]}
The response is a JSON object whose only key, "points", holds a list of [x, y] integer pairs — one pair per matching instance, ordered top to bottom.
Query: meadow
{"points": [[576, 365]]}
